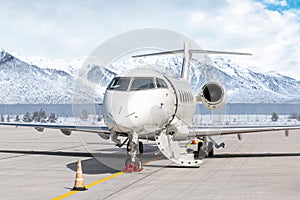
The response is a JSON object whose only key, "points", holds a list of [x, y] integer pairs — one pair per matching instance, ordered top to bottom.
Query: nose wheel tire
{"points": [[134, 149], [131, 167]]}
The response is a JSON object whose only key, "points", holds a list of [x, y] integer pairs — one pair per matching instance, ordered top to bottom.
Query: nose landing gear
{"points": [[134, 149], [131, 167]]}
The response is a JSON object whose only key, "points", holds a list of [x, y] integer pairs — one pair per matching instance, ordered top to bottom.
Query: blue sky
{"points": [[281, 5], [270, 29]]}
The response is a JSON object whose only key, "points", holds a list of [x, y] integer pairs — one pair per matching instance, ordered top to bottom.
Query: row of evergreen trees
{"points": [[37, 116], [295, 116], [275, 117]]}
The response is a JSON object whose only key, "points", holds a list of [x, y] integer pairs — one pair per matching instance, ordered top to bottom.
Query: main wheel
{"points": [[141, 147], [210, 149], [200, 150]]}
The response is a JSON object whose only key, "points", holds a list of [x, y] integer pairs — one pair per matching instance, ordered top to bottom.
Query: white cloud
{"points": [[276, 2], [197, 18], [63, 29], [273, 37]]}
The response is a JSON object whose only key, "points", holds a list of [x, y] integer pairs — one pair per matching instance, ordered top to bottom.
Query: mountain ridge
{"points": [[24, 81]]}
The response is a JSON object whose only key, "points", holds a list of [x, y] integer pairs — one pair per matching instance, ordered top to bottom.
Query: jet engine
{"points": [[212, 95]]}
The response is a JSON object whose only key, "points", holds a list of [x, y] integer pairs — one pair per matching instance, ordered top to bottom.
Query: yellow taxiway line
{"points": [[98, 181], [89, 185]]}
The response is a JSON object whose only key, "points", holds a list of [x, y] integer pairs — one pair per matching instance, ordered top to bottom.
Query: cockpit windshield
{"points": [[119, 83], [136, 83], [140, 83], [161, 83]]}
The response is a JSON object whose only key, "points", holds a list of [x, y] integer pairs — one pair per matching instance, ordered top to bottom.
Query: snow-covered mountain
{"points": [[51, 81], [23, 83]]}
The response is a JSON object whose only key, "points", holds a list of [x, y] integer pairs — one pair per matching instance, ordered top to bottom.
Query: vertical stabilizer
{"points": [[186, 61]]}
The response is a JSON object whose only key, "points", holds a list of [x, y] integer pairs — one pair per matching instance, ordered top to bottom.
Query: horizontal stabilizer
{"points": [[192, 51], [219, 52], [159, 53]]}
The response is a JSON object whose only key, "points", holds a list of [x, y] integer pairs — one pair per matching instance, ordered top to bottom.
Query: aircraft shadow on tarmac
{"points": [[49, 153], [86, 154], [236, 155], [251, 155], [93, 163], [90, 166]]}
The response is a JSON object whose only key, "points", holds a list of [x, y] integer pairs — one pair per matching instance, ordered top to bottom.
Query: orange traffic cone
{"points": [[79, 183]]}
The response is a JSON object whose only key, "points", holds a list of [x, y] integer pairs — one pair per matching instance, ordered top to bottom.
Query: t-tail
{"points": [[187, 55]]}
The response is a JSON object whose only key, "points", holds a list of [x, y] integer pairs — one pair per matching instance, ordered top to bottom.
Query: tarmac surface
{"points": [[37, 165]]}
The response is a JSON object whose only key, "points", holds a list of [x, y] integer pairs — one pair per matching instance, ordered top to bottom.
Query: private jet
{"points": [[146, 104]]}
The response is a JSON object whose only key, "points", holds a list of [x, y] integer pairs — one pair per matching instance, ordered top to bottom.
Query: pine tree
{"points": [[42, 115], [84, 115], [35, 116], [39, 116], [294, 116], [27, 117], [274, 117], [2, 118], [7, 118], [17, 118], [52, 118]]}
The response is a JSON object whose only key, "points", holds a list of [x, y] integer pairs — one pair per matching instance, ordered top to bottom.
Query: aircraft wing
{"points": [[65, 129], [228, 130], [198, 131]]}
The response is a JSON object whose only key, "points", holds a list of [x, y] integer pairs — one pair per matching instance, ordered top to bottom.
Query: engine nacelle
{"points": [[212, 95]]}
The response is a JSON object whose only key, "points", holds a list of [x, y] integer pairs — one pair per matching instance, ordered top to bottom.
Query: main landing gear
{"points": [[206, 146], [134, 148]]}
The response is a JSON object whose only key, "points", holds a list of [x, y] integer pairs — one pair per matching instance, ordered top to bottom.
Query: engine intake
{"points": [[212, 95]]}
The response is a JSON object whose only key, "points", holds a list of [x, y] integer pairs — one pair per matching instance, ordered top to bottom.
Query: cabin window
{"points": [[119, 83], [160, 83], [142, 84], [180, 95], [187, 97]]}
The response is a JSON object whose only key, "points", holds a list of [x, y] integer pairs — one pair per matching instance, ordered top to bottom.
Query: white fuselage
{"points": [[146, 102]]}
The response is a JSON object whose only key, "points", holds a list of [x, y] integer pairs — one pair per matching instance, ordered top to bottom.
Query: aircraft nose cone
{"points": [[148, 110], [115, 111], [143, 111]]}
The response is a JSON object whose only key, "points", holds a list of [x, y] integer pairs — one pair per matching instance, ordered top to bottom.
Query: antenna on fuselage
{"points": [[187, 55]]}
